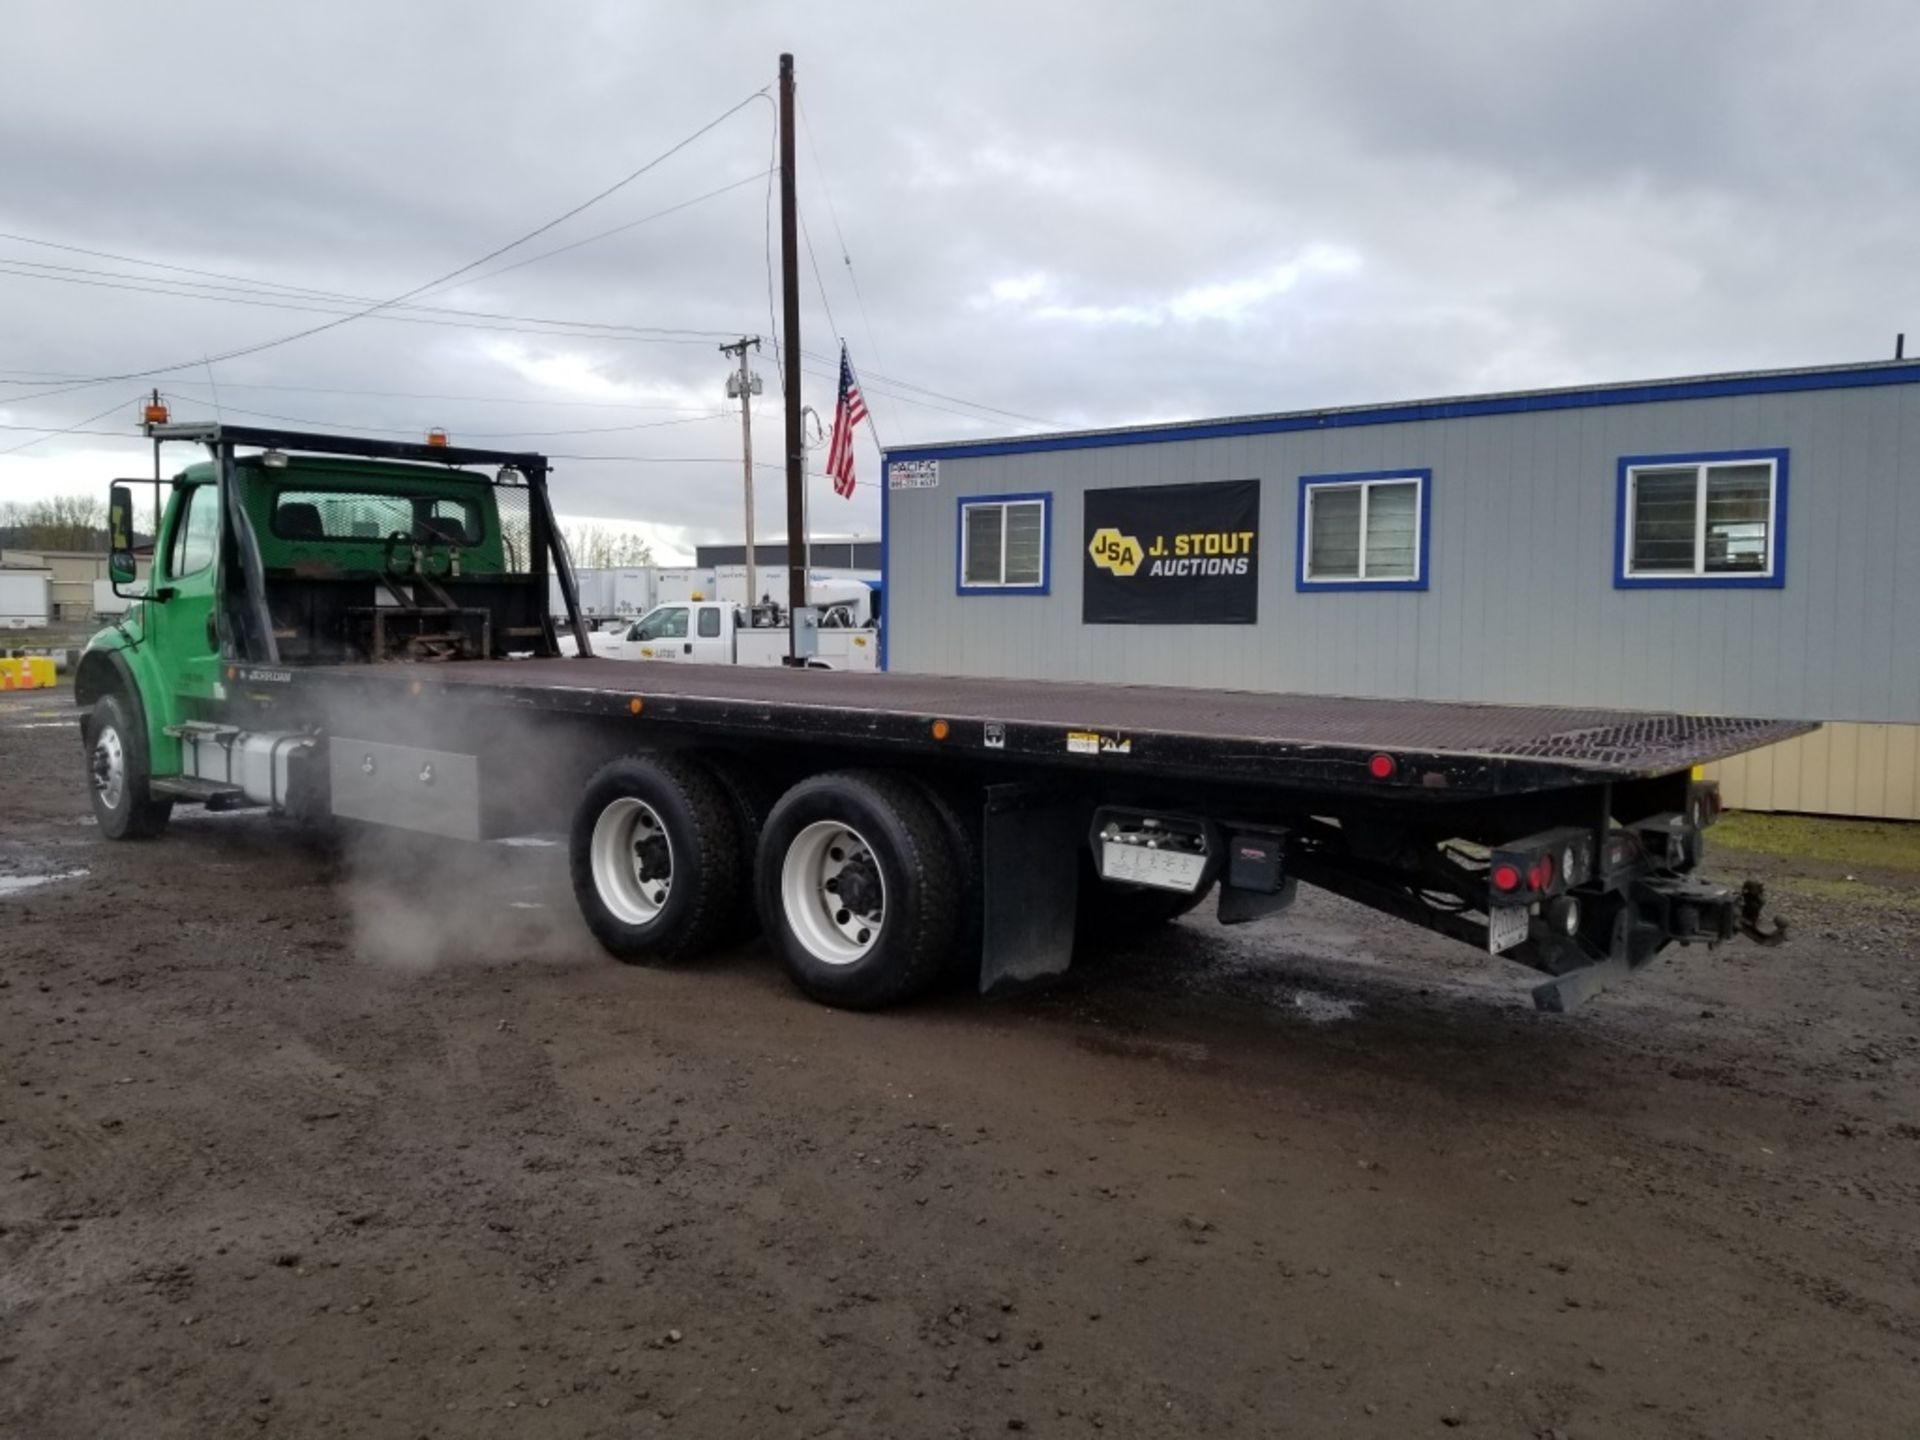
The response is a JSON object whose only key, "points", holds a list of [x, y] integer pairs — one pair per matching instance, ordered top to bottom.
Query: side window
{"points": [[1702, 520], [1364, 531], [195, 532], [1003, 545], [709, 622], [667, 624]]}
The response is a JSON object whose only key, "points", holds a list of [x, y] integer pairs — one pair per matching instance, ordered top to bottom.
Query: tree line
{"points": [[59, 522]]}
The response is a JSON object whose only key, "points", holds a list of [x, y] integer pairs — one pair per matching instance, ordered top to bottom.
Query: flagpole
{"points": [[790, 338]]}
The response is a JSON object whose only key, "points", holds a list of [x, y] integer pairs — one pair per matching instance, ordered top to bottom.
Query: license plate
{"points": [[1162, 869], [1506, 927]]}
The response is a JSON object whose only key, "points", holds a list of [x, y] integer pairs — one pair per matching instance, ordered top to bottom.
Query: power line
{"points": [[833, 213], [616, 230], [806, 238], [436, 282], [273, 293], [467, 319], [894, 383], [421, 395], [51, 430], [67, 430], [466, 435]]}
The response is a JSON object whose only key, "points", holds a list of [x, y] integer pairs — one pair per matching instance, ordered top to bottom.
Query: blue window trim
{"points": [[1704, 387], [961, 502], [1778, 527], [1423, 571]]}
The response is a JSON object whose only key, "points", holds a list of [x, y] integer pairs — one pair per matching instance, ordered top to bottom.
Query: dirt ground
{"points": [[287, 1151]]}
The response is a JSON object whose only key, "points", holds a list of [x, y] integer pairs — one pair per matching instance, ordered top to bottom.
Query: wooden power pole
{"points": [[790, 339]]}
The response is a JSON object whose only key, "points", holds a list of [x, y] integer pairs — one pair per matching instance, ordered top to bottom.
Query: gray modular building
{"points": [[1728, 544]]}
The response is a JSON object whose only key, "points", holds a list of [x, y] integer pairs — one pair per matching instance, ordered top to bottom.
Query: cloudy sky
{"points": [[1056, 214]]}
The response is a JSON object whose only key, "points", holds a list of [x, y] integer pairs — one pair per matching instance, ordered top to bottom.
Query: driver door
{"points": [[182, 624], [662, 635]]}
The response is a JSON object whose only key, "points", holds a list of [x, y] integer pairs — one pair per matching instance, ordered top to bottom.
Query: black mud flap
{"points": [[1030, 859]]}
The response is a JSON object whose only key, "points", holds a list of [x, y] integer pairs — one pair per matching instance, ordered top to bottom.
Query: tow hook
{"points": [[1753, 899]]}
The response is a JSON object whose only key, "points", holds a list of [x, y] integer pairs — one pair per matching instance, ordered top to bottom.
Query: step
{"points": [[215, 794]]}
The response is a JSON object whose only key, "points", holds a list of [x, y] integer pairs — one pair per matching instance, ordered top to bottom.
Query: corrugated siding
{"points": [[1522, 606], [1843, 769]]}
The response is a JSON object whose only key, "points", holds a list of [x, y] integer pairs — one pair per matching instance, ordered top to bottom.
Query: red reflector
{"points": [[1381, 767], [1546, 871], [1538, 875], [1505, 877]]}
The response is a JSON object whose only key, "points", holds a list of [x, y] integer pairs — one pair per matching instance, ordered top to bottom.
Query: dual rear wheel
{"points": [[853, 873]]}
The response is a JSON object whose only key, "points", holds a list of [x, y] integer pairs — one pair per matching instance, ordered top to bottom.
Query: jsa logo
{"points": [[1116, 552]]}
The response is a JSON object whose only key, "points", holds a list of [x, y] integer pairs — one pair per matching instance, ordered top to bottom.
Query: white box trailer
{"points": [[771, 582], [24, 599]]}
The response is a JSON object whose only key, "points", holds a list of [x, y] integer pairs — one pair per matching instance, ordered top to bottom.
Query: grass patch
{"points": [[1856, 844]]}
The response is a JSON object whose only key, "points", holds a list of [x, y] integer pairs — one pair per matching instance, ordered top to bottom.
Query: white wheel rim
{"points": [[109, 767], [822, 858], [632, 861]]}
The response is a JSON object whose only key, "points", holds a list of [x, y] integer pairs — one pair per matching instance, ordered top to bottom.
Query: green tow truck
{"points": [[346, 629]]}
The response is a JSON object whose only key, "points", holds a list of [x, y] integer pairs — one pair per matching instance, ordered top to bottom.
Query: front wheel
{"points": [[118, 771], [859, 889]]}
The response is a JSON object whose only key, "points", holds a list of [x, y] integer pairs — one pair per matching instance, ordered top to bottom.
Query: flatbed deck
{"points": [[1441, 749]]}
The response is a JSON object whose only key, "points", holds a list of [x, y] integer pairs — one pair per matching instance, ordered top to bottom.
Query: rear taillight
{"points": [[1546, 864]]}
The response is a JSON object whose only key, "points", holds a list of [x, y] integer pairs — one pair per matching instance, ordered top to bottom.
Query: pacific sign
{"points": [[1173, 555]]}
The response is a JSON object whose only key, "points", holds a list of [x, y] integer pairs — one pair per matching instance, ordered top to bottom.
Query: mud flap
{"points": [[1030, 870]]}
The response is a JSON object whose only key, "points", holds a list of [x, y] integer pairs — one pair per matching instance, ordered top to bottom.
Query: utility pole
{"points": [[790, 335], [746, 385]]}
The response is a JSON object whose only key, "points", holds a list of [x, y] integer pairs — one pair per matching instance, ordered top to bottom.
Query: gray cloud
{"points": [[1096, 215]]}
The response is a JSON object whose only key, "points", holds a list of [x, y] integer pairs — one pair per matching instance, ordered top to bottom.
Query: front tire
{"points": [[118, 772], [656, 858], [859, 889]]}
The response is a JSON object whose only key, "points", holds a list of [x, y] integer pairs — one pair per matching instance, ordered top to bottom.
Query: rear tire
{"points": [[118, 772], [656, 858], [859, 889]]}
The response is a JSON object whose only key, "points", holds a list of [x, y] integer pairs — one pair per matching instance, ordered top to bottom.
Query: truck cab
{"points": [[266, 557]]}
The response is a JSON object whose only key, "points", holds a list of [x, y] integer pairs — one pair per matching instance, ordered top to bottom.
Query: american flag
{"points": [[848, 412]]}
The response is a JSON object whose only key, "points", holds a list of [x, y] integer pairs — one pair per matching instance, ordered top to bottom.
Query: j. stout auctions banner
{"points": [[1173, 555]]}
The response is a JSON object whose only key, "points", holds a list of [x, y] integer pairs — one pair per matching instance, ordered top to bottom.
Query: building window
{"points": [[1702, 520], [1365, 531], [1004, 544]]}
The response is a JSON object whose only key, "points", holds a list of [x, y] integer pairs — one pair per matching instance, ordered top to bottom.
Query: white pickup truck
{"points": [[707, 632]]}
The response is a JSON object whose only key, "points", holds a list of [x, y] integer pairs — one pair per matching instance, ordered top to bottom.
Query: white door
{"points": [[660, 635], [711, 643]]}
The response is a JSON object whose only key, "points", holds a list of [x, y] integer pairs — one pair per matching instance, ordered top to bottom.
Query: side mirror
{"points": [[121, 569]]}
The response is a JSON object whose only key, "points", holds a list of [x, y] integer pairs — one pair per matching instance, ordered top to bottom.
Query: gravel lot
{"points": [[295, 1143]]}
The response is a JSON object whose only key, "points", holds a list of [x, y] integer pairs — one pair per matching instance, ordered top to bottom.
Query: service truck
{"points": [[356, 631], [837, 633]]}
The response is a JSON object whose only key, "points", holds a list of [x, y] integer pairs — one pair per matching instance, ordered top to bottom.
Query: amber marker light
{"points": [[635, 705], [941, 729]]}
